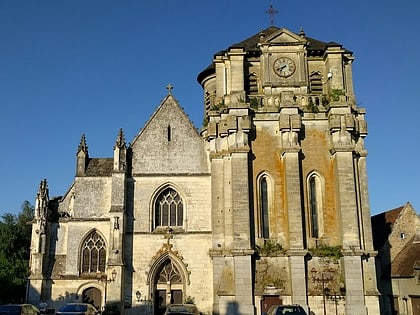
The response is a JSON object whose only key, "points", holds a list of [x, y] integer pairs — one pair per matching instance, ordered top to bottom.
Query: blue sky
{"points": [[69, 67]]}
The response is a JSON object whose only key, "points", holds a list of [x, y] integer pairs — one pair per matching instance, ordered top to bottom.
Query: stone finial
{"points": [[301, 32], [261, 36], [169, 87], [120, 142], [82, 145], [120, 152], [82, 157], [42, 197], [41, 206]]}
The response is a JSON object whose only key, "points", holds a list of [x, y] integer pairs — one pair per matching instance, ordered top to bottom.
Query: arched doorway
{"points": [[169, 285], [93, 296]]}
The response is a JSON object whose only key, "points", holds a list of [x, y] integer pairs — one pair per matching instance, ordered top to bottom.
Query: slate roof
{"points": [[250, 44], [315, 47], [99, 167], [382, 226], [407, 260]]}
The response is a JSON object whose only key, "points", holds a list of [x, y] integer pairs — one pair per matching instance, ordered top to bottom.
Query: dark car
{"points": [[19, 309], [77, 309], [181, 309], [286, 309]]}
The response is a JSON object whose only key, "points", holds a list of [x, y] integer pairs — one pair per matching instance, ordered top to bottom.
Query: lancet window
{"points": [[315, 197], [264, 202]]}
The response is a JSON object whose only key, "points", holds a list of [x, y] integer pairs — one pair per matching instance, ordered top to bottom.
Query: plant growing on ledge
{"points": [[335, 94], [324, 101], [253, 103], [218, 106], [312, 107], [205, 121], [270, 248], [324, 250]]}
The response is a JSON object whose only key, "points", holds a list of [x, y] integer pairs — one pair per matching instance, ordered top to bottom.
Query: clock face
{"points": [[284, 67]]}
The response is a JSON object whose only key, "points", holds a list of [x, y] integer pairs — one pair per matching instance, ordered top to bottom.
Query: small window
{"points": [[169, 133]]}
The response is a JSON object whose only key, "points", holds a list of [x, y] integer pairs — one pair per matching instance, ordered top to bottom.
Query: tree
{"points": [[15, 241]]}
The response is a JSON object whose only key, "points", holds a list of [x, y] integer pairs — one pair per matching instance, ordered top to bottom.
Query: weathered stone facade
{"points": [[268, 204]]}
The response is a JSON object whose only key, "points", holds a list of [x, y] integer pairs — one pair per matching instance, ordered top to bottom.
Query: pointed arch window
{"points": [[315, 197], [264, 202], [169, 209], [265, 229], [93, 253], [169, 273]]}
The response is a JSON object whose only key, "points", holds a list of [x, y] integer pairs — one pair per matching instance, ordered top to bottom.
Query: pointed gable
{"points": [[284, 37], [169, 143]]}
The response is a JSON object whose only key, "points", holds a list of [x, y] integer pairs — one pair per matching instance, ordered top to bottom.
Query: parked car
{"points": [[19, 309], [77, 309], [181, 309], [286, 310]]}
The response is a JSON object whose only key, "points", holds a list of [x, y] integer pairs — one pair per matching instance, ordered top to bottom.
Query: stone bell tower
{"points": [[288, 166]]}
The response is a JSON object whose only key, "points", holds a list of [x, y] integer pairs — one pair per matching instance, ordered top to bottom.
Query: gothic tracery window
{"points": [[169, 209], [93, 253], [169, 273]]}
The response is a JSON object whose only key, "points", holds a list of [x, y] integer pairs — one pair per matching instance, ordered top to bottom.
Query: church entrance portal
{"points": [[169, 286], [92, 296]]}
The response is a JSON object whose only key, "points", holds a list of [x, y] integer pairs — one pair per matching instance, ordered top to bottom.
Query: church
{"points": [[267, 203]]}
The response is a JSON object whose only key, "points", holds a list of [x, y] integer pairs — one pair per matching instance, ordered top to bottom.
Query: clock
{"points": [[284, 67]]}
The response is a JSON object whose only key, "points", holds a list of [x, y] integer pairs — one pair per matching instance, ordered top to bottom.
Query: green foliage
{"points": [[335, 94], [324, 101], [254, 103], [219, 106], [311, 106], [205, 121], [15, 240], [270, 248], [327, 251], [190, 300]]}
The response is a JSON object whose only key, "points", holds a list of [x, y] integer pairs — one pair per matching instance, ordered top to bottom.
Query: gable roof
{"points": [[251, 43], [169, 100], [169, 143], [382, 226], [407, 260]]}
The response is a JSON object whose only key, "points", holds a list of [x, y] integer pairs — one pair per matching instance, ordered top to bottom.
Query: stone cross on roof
{"points": [[169, 87]]}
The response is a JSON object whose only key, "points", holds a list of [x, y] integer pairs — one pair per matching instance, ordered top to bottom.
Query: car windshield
{"points": [[73, 308], [10, 309], [181, 309], [289, 310]]}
